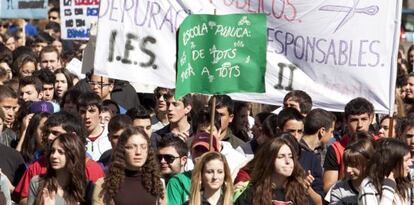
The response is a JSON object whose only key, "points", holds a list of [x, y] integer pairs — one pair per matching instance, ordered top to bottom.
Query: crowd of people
{"points": [[65, 139]]}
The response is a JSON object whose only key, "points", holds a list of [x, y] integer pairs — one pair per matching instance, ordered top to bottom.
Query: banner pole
{"points": [[213, 113], [391, 127]]}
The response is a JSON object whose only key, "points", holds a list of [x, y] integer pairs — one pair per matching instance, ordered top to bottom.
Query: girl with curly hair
{"points": [[133, 174], [65, 180], [211, 181], [278, 182]]}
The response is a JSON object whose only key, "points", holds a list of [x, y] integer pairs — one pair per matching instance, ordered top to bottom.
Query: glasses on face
{"points": [[53, 17], [4, 25], [98, 83], [165, 96], [167, 157]]}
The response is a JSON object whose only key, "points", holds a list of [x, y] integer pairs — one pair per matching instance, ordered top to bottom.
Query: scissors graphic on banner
{"points": [[350, 11]]}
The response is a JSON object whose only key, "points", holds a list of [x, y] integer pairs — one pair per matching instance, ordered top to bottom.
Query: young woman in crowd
{"points": [[24, 65], [63, 83], [384, 127], [31, 146], [356, 157], [133, 175], [65, 180], [387, 180], [282, 181], [211, 182]]}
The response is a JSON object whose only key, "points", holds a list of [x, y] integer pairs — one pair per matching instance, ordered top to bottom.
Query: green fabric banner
{"points": [[221, 54]]}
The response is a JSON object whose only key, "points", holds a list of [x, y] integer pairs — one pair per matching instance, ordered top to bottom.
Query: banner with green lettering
{"points": [[221, 54]]}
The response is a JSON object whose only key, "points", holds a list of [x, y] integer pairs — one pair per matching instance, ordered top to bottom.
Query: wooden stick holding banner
{"points": [[213, 113], [213, 116], [391, 127]]}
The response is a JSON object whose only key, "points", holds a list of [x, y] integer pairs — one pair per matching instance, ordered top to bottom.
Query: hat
{"points": [[41, 106], [203, 139]]}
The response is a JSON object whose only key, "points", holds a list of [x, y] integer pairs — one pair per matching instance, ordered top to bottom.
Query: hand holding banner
{"points": [[221, 54]]}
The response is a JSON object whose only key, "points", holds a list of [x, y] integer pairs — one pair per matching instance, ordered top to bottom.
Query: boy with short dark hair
{"points": [[30, 89], [89, 107], [359, 113]]}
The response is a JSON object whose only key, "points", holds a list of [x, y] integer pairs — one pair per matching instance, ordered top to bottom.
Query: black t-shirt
{"points": [[106, 157], [331, 162], [11, 164], [246, 198]]}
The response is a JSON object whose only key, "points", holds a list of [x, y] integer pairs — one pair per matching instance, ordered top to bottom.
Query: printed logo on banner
{"points": [[77, 17]]}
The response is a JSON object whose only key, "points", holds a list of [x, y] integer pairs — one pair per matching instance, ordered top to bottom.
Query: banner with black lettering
{"points": [[333, 50]]}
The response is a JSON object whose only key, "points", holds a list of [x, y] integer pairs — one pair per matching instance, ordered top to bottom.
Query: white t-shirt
{"points": [[96, 148]]}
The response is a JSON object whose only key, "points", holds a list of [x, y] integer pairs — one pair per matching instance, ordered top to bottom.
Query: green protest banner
{"points": [[221, 54]]}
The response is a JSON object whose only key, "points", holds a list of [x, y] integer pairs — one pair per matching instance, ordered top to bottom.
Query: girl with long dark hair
{"points": [[64, 82], [32, 146], [133, 174], [277, 176], [65, 180], [387, 180]]}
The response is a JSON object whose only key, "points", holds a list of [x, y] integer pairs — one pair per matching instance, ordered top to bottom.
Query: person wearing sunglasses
{"points": [[160, 119], [172, 155]]}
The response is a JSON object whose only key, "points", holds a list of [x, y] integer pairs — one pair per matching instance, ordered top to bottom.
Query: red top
{"points": [[38, 167]]}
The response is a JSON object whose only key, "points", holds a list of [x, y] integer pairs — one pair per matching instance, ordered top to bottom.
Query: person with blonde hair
{"points": [[211, 181]]}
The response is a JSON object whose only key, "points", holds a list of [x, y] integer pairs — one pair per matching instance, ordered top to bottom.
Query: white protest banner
{"points": [[33, 9], [76, 18], [333, 50]]}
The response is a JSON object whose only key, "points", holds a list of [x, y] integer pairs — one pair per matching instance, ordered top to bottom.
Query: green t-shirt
{"points": [[178, 188]]}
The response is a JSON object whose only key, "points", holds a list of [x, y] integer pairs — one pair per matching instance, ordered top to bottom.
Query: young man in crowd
{"points": [[53, 15], [49, 58], [48, 79], [103, 87], [30, 89], [299, 100], [9, 105], [89, 107], [225, 108], [359, 114], [178, 115], [141, 118], [160, 118], [291, 120], [57, 124], [116, 126], [318, 130], [172, 155]]}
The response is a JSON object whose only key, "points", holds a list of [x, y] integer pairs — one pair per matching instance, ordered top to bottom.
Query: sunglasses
{"points": [[4, 25], [165, 96], [167, 157]]}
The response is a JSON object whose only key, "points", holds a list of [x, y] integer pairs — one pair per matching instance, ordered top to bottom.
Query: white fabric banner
{"points": [[333, 50]]}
